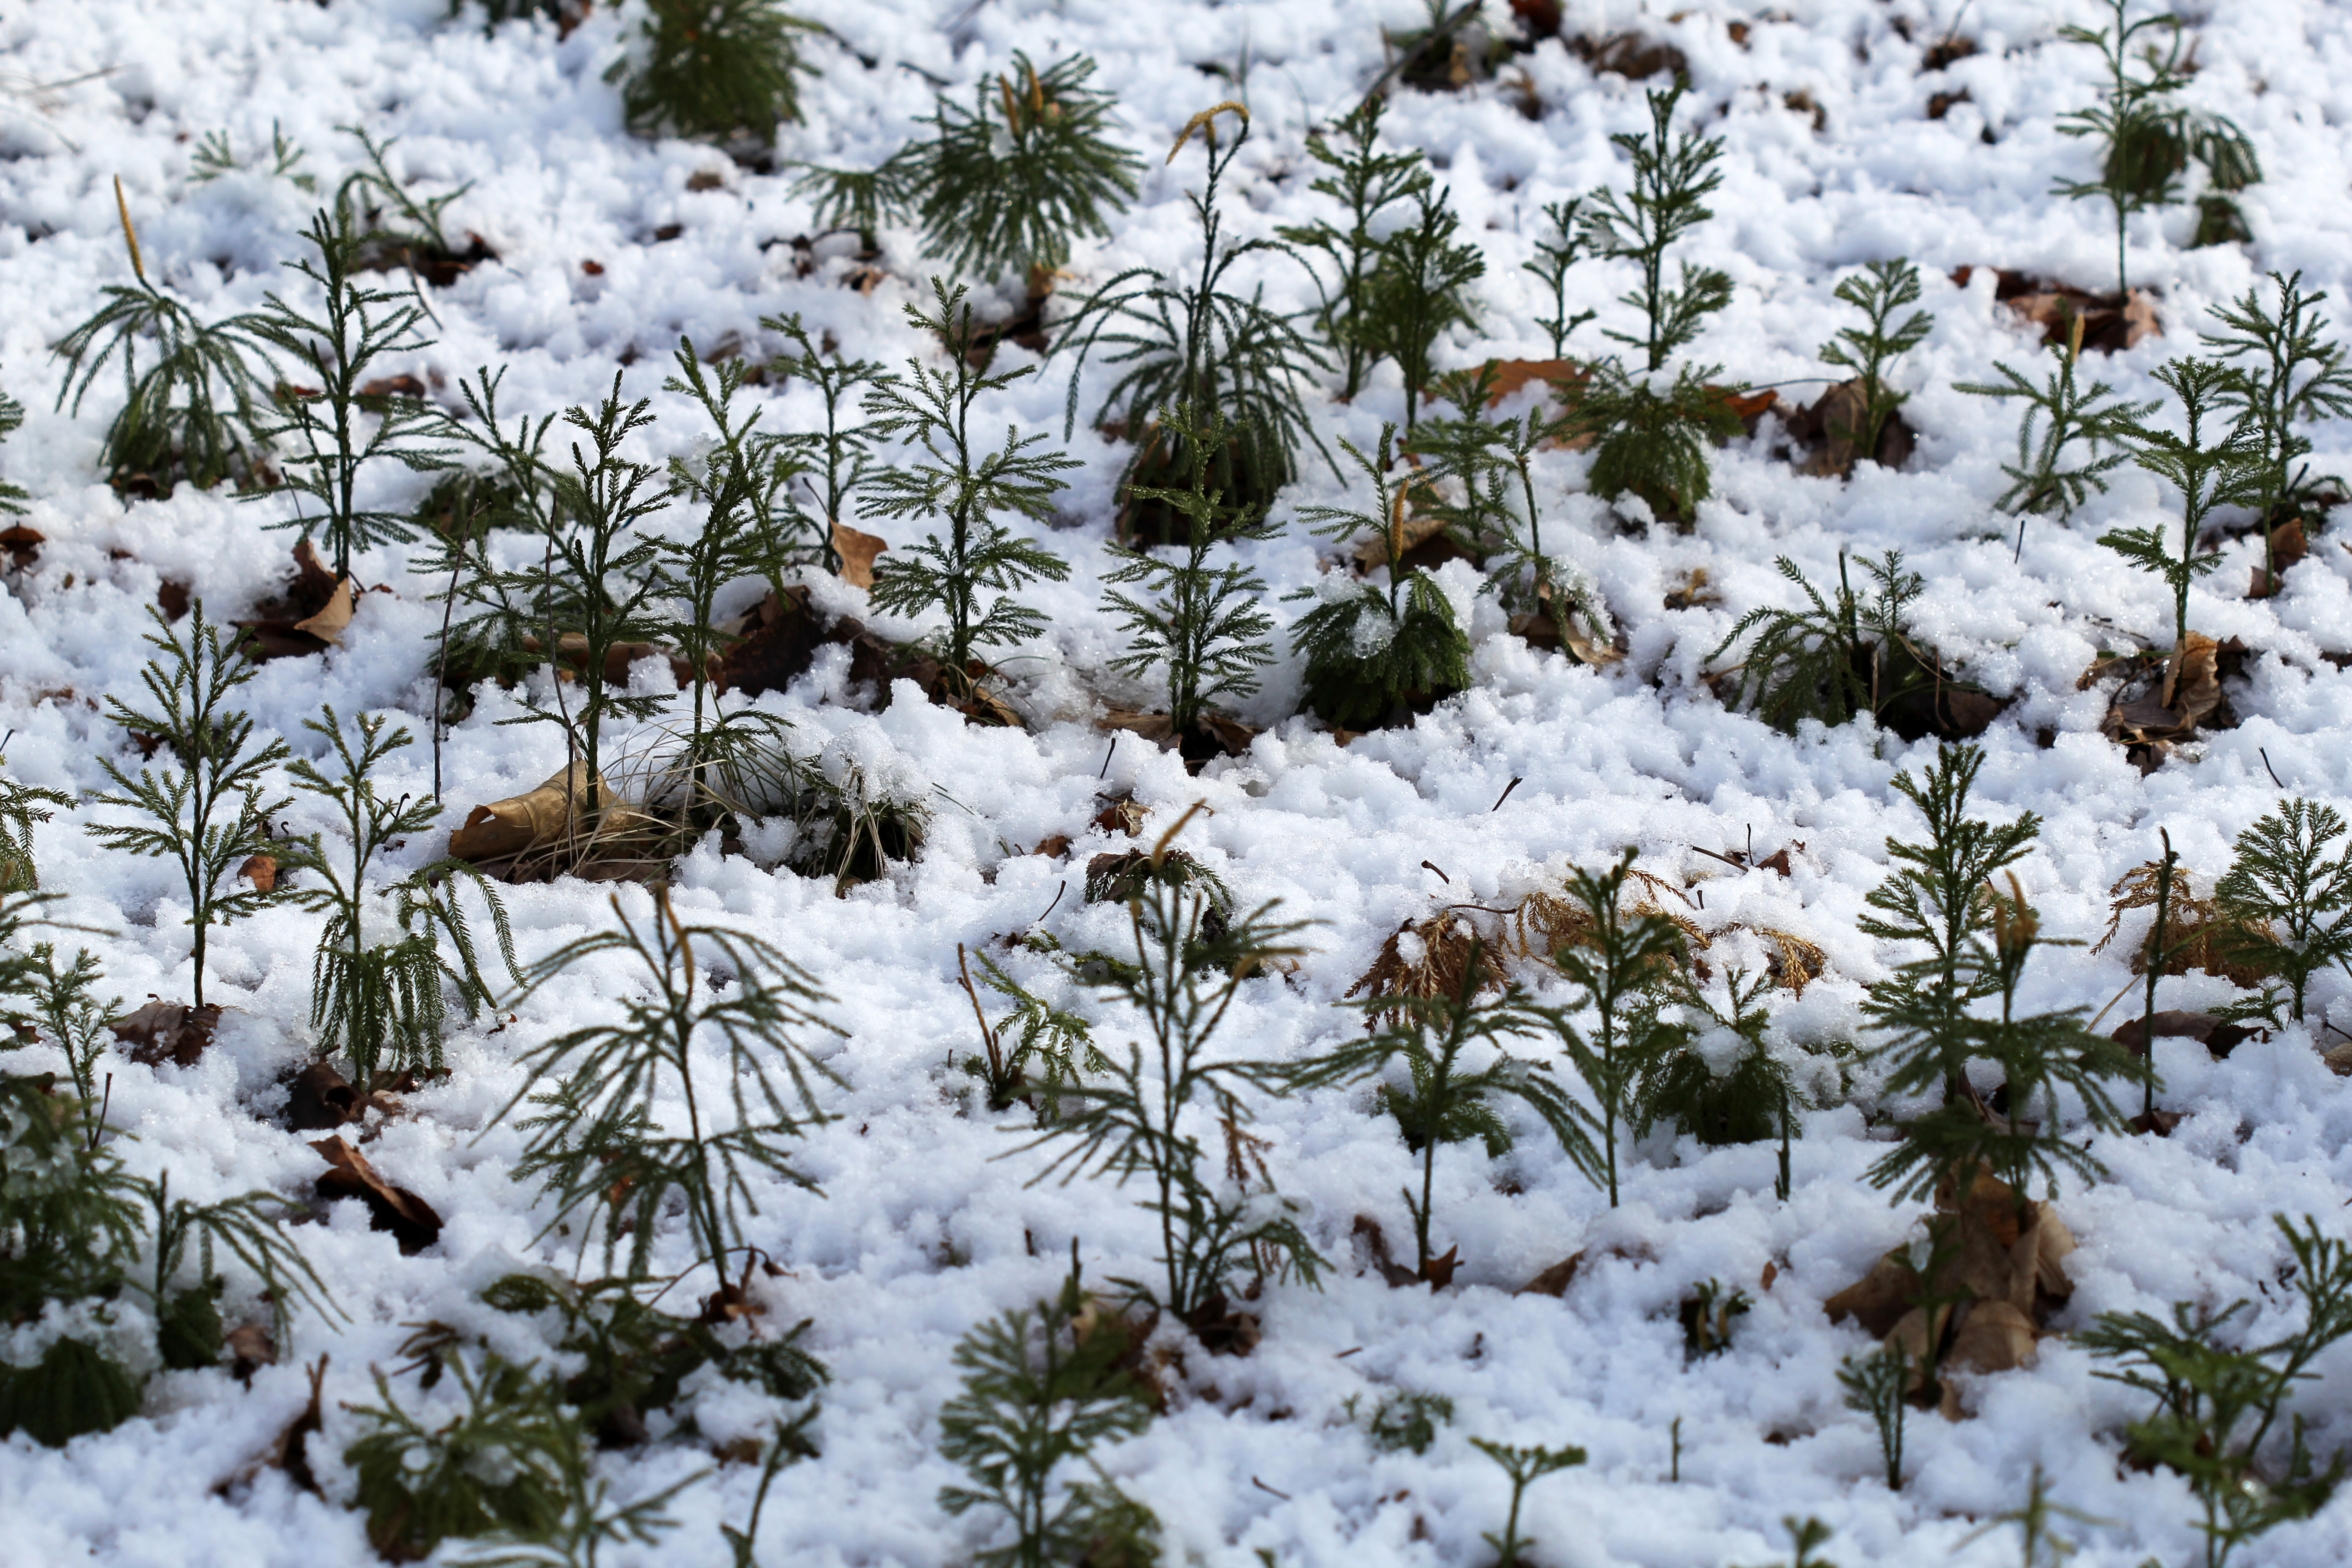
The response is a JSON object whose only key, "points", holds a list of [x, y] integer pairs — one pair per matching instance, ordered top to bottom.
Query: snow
{"points": [[928, 1222]]}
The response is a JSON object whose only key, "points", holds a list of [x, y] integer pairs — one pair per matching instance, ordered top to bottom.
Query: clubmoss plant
{"points": [[713, 67], [2145, 140], [216, 155], [1673, 176], [1365, 183], [378, 213], [1561, 250], [1419, 289], [1202, 345], [1868, 350], [2284, 377], [191, 411], [334, 433], [1650, 434], [836, 460], [1491, 462], [2230, 472], [2042, 482], [958, 483], [12, 497], [497, 615], [1205, 626], [1371, 646], [1830, 662], [21, 806], [206, 811], [2289, 907], [388, 954], [1616, 967], [67, 1008], [1058, 1045], [1457, 1074], [1714, 1075], [1142, 1118], [598, 1139], [1708, 1314], [1877, 1385], [1040, 1390], [2215, 1404], [1405, 1421], [500, 1465], [1524, 1467], [2033, 1519], [1806, 1537]]}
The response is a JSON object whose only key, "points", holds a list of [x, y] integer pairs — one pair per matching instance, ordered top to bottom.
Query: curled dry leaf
{"points": [[2288, 546], [857, 552], [335, 615], [507, 836], [261, 870], [167, 1031], [2217, 1037], [411, 1220], [1555, 1280]]}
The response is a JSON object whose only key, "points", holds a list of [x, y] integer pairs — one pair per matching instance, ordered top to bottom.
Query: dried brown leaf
{"points": [[411, 1220]]}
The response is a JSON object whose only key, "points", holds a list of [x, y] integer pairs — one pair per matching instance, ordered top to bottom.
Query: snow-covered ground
{"points": [[925, 1223]]}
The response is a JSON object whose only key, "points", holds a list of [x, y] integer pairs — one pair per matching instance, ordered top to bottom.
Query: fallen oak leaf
{"points": [[857, 552], [328, 624], [261, 870], [167, 1031], [411, 1220]]}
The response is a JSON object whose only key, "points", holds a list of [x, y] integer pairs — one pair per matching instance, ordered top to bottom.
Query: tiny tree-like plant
{"points": [[712, 68], [1673, 176], [1365, 182], [1554, 256], [1420, 287], [1885, 287], [2285, 375], [2057, 415], [338, 429], [834, 460], [2208, 474], [970, 575], [1206, 626], [1372, 645], [1835, 661], [205, 811], [2290, 907], [1616, 965], [596, 1139], [1877, 1385], [1040, 1391], [1524, 1467]]}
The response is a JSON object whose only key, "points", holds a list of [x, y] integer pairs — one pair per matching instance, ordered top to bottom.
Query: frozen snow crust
{"points": [[926, 1226]]}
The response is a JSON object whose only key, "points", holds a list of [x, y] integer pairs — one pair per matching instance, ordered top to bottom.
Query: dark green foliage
{"points": [[497, 11], [713, 67], [2145, 140], [215, 156], [1673, 176], [1365, 183], [992, 199], [861, 200], [374, 210], [1554, 256], [1420, 287], [1202, 345], [1867, 351], [2284, 377], [190, 412], [333, 432], [1650, 440], [842, 452], [1493, 462], [2227, 473], [2039, 481], [967, 488], [12, 497], [497, 616], [1206, 626], [1371, 646], [1832, 662], [22, 806], [205, 809], [853, 831], [1121, 879], [1939, 896], [2290, 906], [1616, 966], [382, 1001], [67, 1009], [1051, 1041], [2037, 1056], [1458, 1074], [1746, 1098], [1144, 1117], [597, 1141], [70, 1219], [246, 1227], [1707, 1314], [634, 1357], [1877, 1385], [74, 1388], [1040, 1391], [2214, 1406], [1404, 1421], [499, 1465], [1524, 1467], [1807, 1536]]}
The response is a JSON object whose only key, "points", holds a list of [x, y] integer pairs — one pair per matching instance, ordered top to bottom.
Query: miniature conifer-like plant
{"points": [[713, 67], [2145, 140], [216, 155], [1673, 176], [1365, 183], [993, 198], [377, 209], [1554, 256], [1419, 289], [1202, 344], [1868, 350], [2285, 375], [191, 411], [12, 417], [335, 432], [1650, 434], [836, 460], [2230, 472], [2041, 481], [968, 488], [1206, 626], [1371, 646], [1831, 662], [22, 806], [206, 812], [2289, 906], [387, 955], [1616, 966], [67, 1008], [1059, 1044], [1457, 1074], [1714, 1074], [1141, 1118], [597, 1139], [1877, 1385], [1040, 1390], [499, 1465], [1524, 1467]]}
